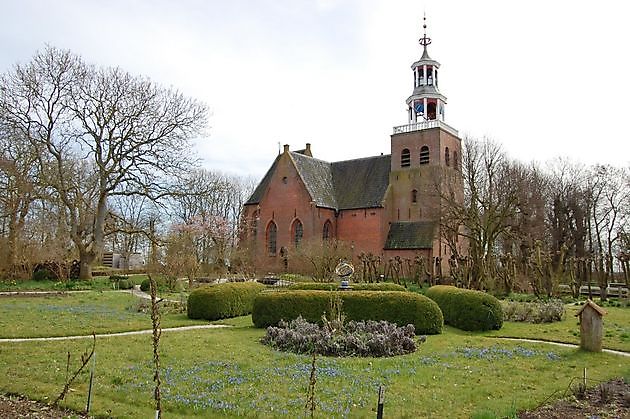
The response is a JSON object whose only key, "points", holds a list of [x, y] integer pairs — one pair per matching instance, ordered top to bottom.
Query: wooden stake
{"points": [[381, 400]]}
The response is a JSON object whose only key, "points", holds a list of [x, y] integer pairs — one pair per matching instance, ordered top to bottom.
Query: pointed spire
{"points": [[425, 40]]}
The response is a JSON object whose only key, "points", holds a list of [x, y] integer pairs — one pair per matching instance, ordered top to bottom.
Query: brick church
{"points": [[387, 205]]}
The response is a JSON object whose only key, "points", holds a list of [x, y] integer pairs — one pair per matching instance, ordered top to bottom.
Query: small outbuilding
{"points": [[591, 326]]}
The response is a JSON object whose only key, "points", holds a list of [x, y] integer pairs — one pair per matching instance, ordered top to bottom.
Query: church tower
{"points": [[425, 154]]}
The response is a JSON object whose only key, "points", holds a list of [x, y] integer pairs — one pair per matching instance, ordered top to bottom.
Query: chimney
{"points": [[286, 148], [307, 151]]}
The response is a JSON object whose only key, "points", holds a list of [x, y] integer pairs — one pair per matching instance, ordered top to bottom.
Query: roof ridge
{"points": [[310, 157], [361, 158]]}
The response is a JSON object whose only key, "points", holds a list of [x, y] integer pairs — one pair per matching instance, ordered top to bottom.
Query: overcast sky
{"points": [[544, 78]]}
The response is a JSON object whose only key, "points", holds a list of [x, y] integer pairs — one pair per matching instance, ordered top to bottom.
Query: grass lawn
{"points": [[98, 283], [78, 314], [616, 328], [227, 373]]}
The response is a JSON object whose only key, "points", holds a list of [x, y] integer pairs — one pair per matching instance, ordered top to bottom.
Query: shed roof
{"points": [[411, 235]]}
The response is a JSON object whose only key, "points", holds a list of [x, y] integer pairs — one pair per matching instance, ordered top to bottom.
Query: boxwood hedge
{"points": [[334, 286], [222, 301], [397, 307], [467, 309]]}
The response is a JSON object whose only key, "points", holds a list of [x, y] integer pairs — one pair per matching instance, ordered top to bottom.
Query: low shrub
{"points": [[43, 275], [125, 284], [145, 285], [334, 286], [222, 301], [401, 308], [467, 309], [540, 312], [362, 338]]}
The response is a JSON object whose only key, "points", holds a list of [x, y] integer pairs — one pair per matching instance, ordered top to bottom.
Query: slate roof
{"points": [[317, 177], [359, 183], [260, 190], [411, 235]]}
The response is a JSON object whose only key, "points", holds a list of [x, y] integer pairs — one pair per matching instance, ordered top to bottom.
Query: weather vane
{"points": [[424, 41]]}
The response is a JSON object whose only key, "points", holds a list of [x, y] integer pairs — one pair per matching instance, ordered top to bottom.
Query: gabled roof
{"points": [[317, 177], [359, 183], [260, 190], [411, 235], [591, 304]]}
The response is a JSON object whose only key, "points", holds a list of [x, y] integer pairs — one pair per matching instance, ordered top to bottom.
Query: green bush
{"points": [[125, 284], [145, 285], [334, 286], [222, 301], [401, 308], [467, 309]]}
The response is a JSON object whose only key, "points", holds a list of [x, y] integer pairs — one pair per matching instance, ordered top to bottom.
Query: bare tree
{"points": [[104, 133], [487, 209]]}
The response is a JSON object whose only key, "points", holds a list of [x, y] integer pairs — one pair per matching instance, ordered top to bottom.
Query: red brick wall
{"points": [[285, 201], [363, 228]]}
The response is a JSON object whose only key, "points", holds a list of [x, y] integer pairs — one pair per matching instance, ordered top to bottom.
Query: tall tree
{"points": [[104, 132]]}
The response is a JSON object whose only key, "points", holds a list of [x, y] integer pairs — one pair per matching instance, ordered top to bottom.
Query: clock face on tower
{"points": [[419, 107]]}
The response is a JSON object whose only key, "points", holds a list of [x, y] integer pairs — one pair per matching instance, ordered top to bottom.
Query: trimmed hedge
{"points": [[334, 286], [222, 301], [401, 308], [467, 309]]}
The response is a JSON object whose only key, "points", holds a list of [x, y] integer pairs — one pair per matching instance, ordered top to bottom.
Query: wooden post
{"points": [[591, 326], [381, 400]]}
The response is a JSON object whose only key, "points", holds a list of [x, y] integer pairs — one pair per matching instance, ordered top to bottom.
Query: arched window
{"points": [[424, 155], [447, 157], [405, 158], [455, 160], [414, 196], [255, 223], [297, 231], [327, 232], [272, 236]]}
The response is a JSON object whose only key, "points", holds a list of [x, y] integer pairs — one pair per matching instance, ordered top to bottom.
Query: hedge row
{"points": [[334, 286], [222, 301], [397, 307], [467, 309]]}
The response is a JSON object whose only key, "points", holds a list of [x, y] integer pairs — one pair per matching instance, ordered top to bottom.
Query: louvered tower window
{"points": [[424, 155], [405, 158]]}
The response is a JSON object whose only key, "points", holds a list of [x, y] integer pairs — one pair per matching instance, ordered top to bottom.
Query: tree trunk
{"points": [[85, 265]]}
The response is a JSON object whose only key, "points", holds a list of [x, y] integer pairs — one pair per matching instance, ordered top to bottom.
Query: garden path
{"points": [[106, 335], [565, 345]]}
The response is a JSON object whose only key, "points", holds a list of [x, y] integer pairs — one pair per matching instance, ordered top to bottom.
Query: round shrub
{"points": [[125, 284], [145, 285], [334, 286], [222, 301], [401, 308], [467, 309]]}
